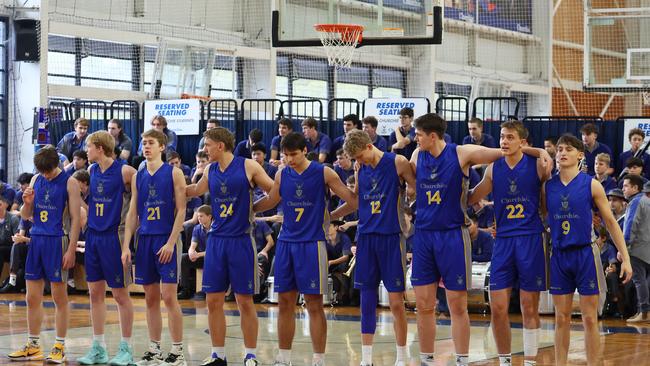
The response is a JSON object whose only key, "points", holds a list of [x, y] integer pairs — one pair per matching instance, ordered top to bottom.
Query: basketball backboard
{"points": [[385, 22], [617, 48]]}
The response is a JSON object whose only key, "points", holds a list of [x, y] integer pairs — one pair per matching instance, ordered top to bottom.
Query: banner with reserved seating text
{"points": [[386, 110], [183, 115], [631, 123]]}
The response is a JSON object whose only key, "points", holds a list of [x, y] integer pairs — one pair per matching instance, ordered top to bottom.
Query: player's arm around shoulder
{"points": [[471, 154], [414, 159], [406, 173], [128, 174], [256, 175], [333, 181], [200, 187], [483, 188], [179, 194], [272, 197], [600, 200], [542, 201], [74, 209], [27, 210], [131, 222]]}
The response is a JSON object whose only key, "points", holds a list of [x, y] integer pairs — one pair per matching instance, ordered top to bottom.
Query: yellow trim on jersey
{"points": [[467, 251], [598, 267], [322, 272]]}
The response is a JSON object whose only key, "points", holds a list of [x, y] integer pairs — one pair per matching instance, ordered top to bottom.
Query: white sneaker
{"points": [[174, 360]]}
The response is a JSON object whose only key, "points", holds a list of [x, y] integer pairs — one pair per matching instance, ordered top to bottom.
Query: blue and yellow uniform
{"points": [[156, 206], [48, 240], [441, 244], [381, 251], [519, 253], [301, 255], [231, 256], [102, 258], [575, 258]]}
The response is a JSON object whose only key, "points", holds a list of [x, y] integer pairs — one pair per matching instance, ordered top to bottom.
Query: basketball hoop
{"points": [[339, 41], [199, 97]]}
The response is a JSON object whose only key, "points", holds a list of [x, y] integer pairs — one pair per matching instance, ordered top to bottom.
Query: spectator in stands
{"points": [[350, 122], [159, 123], [212, 123], [369, 125], [285, 126], [589, 133], [476, 135], [636, 137], [75, 140], [402, 140], [317, 141], [123, 142], [550, 143], [243, 148], [258, 152], [174, 159], [63, 161], [201, 161], [79, 162], [343, 165], [602, 166], [634, 166], [83, 177], [23, 181], [7, 191], [8, 228], [637, 236], [482, 242], [338, 248], [193, 259], [16, 281], [615, 305]]}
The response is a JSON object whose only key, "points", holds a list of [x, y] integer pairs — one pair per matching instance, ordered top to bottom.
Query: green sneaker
{"points": [[97, 354], [124, 356]]}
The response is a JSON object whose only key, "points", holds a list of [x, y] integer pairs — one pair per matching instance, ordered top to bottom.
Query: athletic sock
{"points": [[12, 279], [99, 338], [34, 340], [60, 340], [126, 340], [531, 340], [154, 346], [177, 348], [220, 352], [250, 353], [402, 353], [284, 355], [366, 355], [317, 358], [427, 358], [462, 359], [505, 359]]}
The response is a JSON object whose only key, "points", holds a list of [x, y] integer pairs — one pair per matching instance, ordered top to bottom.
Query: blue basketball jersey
{"points": [[441, 193], [516, 195], [380, 197], [231, 198], [105, 199], [50, 201], [156, 203], [304, 204], [570, 211]]}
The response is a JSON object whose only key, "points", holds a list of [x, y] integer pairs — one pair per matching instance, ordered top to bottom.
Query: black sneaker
{"points": [[9, 289], [184, 295], [174, 360], [213, 360]]}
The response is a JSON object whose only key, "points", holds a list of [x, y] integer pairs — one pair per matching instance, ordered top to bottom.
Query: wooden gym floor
{"points": [[622, 344]]}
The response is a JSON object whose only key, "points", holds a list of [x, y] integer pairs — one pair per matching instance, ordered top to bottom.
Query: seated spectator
{"points": [[350, 122], [160, 123], [210, 124], [369, 125], [285, 126], [589, 133], [476, 135], [636, 137], [75, 140], [402, 140], [123, 142], [317, 142], [550, 143], [243, 148], [258, 153], [174, 159], [63, 161], [201, 161], [79, 162], [343, 165], [634, 166], [601, 169], [83, 177], [23, 181], [7, 191], [191, 210], [484, 212], [351, 220], [8, 228], [482, 242], [264, 243], [338, 248], [193, 259], [16, 281], [616, 302]]}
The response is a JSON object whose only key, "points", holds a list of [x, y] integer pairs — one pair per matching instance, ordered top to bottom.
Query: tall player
{"points": [[109, 180], [50, 195], [571, 197], [158, 203], [441, 246], [381, 251], [300, 255], [519, 255], [231, 257]]}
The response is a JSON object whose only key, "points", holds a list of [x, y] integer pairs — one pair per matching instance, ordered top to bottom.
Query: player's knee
{"points": [[97, 297], [121, 298], [33, 299], [286, 302], [314, 303], [397, 306], [528, 307], [425, 310], [562, 319], [589, 320]]}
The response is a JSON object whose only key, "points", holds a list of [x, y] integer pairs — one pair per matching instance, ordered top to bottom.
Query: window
{"points": [[224, 82]]}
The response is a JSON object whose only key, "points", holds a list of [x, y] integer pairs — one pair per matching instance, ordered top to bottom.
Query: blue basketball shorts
{"points": [[442, 254], [380, 257], [45, 258], [103, 259], [519, 259], [231, 261], [301, 266], [577, 268], [148, 269]]}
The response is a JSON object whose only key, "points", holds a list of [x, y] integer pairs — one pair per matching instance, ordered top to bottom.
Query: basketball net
{"points": [[339, 41], [645, 97]]}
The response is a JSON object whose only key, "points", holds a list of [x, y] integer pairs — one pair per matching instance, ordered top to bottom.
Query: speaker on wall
{"points": [[26, 31]]}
